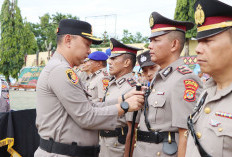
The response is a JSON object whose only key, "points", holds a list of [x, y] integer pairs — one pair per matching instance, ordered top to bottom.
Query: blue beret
{"points": [[108, 51], [98, 56]]}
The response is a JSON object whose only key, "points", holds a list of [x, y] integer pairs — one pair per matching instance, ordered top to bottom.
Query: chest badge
{"points": [[214, 123]]}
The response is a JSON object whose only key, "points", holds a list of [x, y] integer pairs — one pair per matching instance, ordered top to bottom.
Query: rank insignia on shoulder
{"points": [[184, 70], [167, 71], [98, 72], [105, 73], [72, 76], [121, 81], [131, 82], [105, 83], [191, 87]]}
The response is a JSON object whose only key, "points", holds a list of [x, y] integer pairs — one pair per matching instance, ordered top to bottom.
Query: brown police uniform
{"points": [[97, 84], [173, 94], [4, 97], [169, 106], [67, 120], [212, 121], [113, 142], [110, 146]]}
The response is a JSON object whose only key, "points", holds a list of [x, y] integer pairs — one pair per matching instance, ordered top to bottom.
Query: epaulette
{"points": [[184, 70], [105, 73], [131, 82]]}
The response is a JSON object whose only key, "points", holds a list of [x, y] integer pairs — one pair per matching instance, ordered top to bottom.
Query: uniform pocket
{"points": [[157, 111]]}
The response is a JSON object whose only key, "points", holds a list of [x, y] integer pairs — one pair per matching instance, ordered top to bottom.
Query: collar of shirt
{"points": [[60, 57], [165, 73], [120, 81], [213, 93]]}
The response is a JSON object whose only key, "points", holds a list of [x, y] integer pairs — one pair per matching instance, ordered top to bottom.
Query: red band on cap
{"points": [[216, 19], [167, 25], [124, 49]]}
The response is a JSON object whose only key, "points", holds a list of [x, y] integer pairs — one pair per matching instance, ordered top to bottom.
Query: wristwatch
{"points": [[125, 106]]}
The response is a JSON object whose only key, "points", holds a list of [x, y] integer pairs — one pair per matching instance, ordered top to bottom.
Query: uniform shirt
{"points": [[82, 75], [97, 84], [115, 89], [4, 96], [171, 100], [64, 112], [213, 123]]}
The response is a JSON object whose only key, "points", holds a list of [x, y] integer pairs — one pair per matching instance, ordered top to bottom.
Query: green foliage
{"points": [[185, 12], [45, 31], [128, 38], [16, 40]]}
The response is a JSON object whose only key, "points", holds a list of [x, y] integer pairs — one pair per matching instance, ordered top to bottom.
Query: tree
{"points": [[185, 12], [45, 31], [127, 37], [16, 40]]}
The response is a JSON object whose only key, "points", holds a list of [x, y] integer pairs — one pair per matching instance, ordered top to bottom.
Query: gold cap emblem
{"points": [[199, 15], [151, 21], [111, 46]]}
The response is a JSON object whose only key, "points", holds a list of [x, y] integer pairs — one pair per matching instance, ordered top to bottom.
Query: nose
{"points": [[150, 45], [199, 48], [109, 61]]}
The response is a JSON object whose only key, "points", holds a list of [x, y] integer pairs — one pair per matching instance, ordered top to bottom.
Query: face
{"points": [[160, 47], [79, 48], [214, 54], [93, 65], [116, 65], [86, 66], [149, 71]]}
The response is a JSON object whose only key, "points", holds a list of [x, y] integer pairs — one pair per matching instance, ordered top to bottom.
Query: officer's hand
{"points": [[134, 92], [135, 102]]}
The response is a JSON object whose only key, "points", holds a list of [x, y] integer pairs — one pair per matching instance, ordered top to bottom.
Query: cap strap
{"points": [[214, 26], [163, 29]]}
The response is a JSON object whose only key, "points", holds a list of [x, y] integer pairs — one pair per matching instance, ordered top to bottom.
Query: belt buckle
{"points": [[158, 137]]}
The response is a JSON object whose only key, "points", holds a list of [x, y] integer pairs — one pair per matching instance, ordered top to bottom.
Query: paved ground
{"points": [[20, 99]]}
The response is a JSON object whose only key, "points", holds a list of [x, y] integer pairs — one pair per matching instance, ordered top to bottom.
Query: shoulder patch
{"points": [[184, 70], [105, 73], [72, 76], [131, 81], [105, 82], [191, 87]]}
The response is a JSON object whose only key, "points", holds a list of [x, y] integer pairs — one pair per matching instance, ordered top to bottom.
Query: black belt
{"points": [[114, 133], [121, 133], [155, 137], [69, 150]]}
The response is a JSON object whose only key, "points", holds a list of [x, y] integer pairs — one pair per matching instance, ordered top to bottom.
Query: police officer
{"points": [[121, 63], [149, 68], [83, 71], [100, 78], [172, 94], [4, 96], [67, 120], [211, 124]]}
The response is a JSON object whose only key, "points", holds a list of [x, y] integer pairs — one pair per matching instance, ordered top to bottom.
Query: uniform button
{"points": [[153, 90], [108, 94], [156, 102], [207, 110], [220, 129], [198, 135], [115, 144], [158, 153]]}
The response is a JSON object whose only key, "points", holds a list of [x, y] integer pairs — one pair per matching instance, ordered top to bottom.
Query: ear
{"points": [[67, 40], [175, 45], [127, 63]]}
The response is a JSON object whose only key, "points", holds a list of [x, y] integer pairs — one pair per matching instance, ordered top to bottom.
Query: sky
{"points": [[112, 16]]}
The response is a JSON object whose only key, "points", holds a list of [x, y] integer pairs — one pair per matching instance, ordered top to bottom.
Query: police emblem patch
{"points": [[199, 15], [143, 59], [72, 76], [105, 83], [191, 87]]}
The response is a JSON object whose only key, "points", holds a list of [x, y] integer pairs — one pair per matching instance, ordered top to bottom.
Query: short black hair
{"points": [[180, 36], [59, 39], [130, 56]]}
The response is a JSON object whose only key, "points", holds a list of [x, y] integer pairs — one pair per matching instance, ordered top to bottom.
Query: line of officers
{"points": [[88, 112]]}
